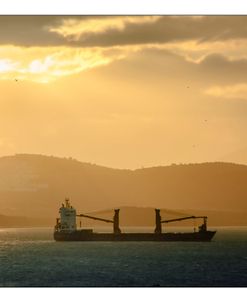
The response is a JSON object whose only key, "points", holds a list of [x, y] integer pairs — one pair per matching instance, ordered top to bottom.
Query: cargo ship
{"points": [[66, 229]]}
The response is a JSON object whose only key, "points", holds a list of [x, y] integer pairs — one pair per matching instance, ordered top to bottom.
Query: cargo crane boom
{"points": [[95, 218], [183, 218], [115, 221]]}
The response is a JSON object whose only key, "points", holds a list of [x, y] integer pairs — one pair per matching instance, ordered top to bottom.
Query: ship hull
{"points": [[84, 236]]}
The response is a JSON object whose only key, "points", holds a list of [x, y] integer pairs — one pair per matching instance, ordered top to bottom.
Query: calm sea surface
{"points": [[30, 257]]}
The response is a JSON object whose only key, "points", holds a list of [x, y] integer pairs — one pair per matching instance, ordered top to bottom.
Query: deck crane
{"points": [[115, 221], [159, 221]]}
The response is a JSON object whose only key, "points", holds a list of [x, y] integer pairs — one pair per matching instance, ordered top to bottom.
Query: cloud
{"points": [[76, 29], [158, 30], [29, 31], [106, 31], [44, 48], [45, 64], [160, 64], [7, 65], [220, 70], [238, 91]]}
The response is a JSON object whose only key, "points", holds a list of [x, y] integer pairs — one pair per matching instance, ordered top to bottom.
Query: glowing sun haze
{"points": [[124, 91]]}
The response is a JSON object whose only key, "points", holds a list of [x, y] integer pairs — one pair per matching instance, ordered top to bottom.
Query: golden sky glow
{"points": [[45, 64], [124, 91], [238, 91]]}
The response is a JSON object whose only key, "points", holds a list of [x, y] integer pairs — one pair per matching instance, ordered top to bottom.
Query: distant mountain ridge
{"points": [[35, 186]]}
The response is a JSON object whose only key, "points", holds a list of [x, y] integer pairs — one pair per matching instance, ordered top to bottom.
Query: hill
{"points": [[35, 185]]}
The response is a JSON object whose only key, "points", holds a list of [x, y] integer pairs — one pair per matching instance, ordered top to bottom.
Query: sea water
{"points": [[30, 257]]}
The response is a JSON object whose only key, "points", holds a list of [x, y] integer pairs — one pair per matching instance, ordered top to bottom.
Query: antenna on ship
{"points": [[67, 202]]}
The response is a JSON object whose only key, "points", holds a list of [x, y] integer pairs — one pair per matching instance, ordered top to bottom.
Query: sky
{"points": [[124, 91]]}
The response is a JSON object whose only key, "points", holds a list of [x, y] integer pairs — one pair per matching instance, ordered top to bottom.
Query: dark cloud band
{"points": [[34, 31]]}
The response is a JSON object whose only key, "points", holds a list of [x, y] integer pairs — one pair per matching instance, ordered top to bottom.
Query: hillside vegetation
{"points": [[36, 185]]}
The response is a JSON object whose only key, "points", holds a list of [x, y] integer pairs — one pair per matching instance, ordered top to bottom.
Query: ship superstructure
{"points": [[67, 220]]}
